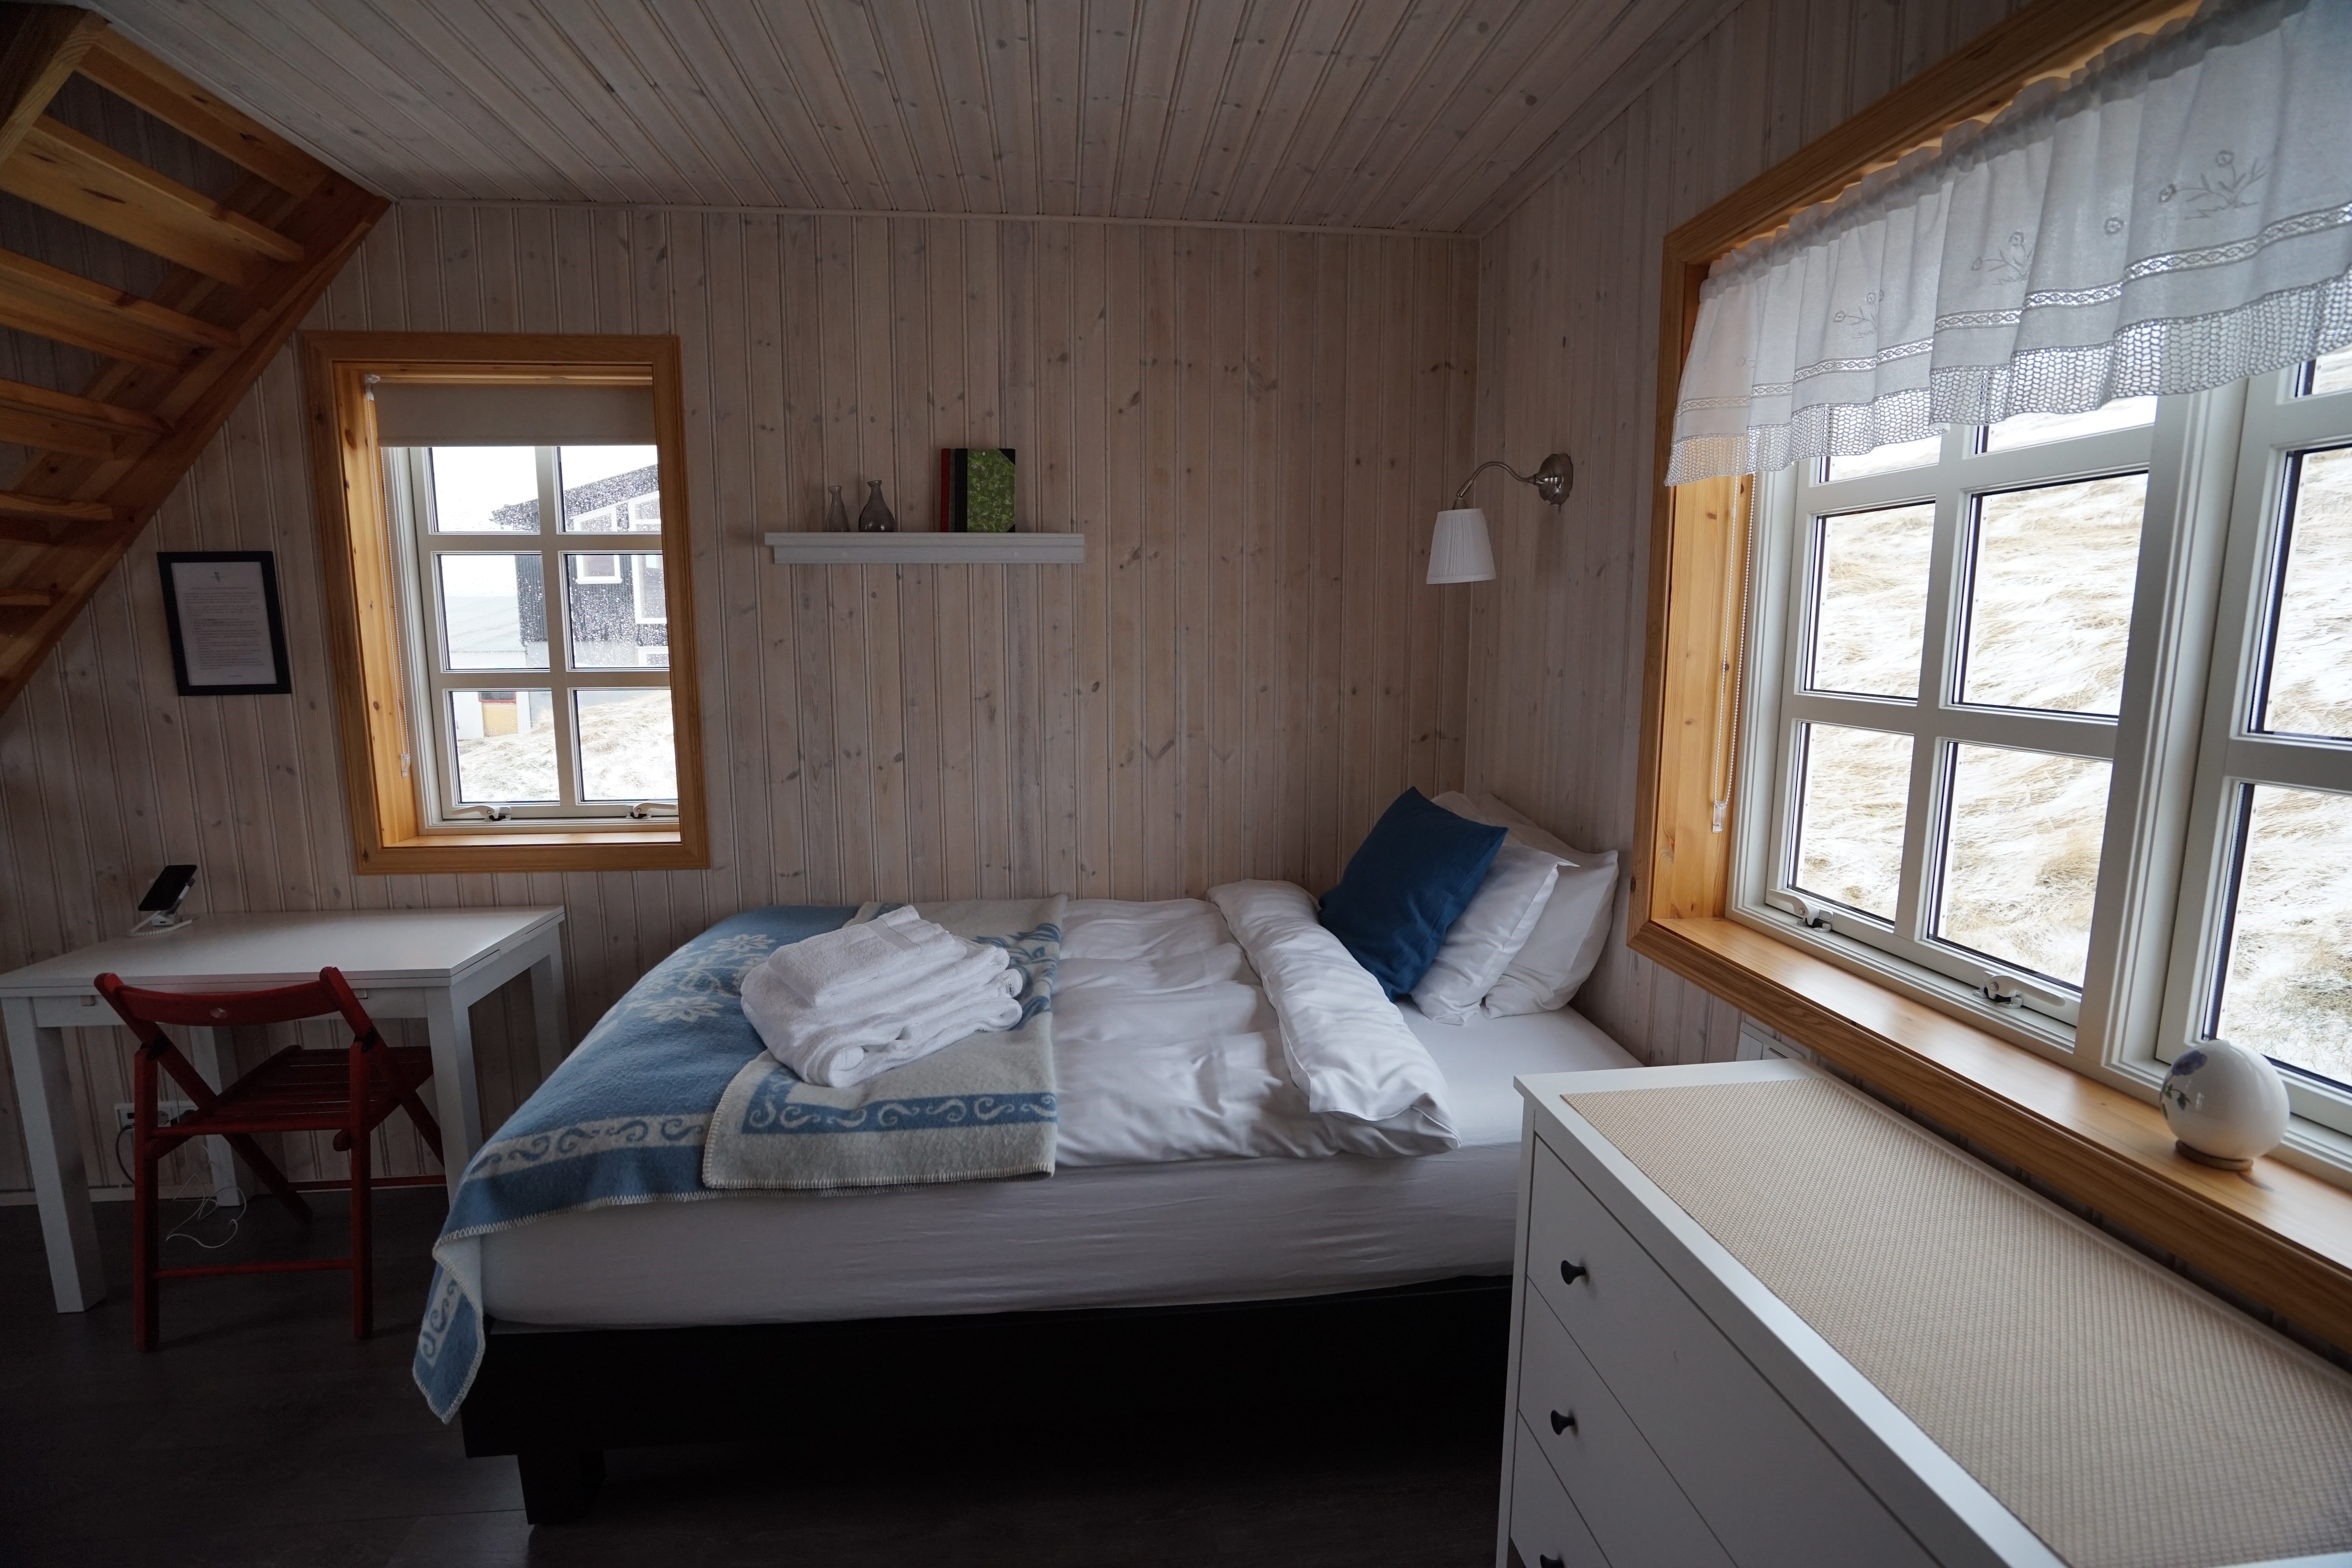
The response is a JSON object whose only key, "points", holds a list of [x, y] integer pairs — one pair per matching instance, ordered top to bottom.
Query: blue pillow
{"points": [[1410, 881]]}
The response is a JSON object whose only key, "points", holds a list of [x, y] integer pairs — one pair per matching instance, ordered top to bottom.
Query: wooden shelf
{"points": [[929, 549]]}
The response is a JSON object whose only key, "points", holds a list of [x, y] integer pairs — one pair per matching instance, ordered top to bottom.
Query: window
{"points": [[1966, 653], [518, 691], [579, 727], [2262, 941]]}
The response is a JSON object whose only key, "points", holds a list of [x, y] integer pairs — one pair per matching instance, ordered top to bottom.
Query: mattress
{"points": [[1187, 1173]]}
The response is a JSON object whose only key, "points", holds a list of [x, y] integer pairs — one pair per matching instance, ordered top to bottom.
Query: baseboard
{"points": [[25, 1197]]}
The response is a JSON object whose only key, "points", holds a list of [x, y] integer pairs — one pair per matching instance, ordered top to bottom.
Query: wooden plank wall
{"points": [[1567, 325], [1254, 428]]}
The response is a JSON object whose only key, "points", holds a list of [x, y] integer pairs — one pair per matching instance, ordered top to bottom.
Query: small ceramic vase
{"points": [[836, 516], [876, 517], [2227, 1105]]}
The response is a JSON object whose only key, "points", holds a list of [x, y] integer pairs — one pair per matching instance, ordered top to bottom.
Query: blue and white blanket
{"points": [[983, 1111], [626, 1117]]}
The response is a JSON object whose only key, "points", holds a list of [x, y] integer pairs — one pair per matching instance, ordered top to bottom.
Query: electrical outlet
{"points": [[166, 1111]]}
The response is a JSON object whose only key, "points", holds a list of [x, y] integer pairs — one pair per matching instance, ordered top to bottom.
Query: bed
{"points": [[1196, 1205]]}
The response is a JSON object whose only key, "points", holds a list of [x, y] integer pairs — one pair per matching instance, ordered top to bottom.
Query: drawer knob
{"points": [[1570, 1273], [1563, 1423]]}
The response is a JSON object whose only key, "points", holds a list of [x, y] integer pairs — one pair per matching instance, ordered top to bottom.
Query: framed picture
{"points": [[227, 638]]}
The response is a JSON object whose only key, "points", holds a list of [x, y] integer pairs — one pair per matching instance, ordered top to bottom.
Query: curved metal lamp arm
{"points": [[1553, 478]]}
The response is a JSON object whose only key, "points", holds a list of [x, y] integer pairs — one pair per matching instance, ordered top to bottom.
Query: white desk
{"points": [[432, 965]]}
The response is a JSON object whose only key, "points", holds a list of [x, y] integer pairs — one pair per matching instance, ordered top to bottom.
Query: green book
{"points": [[976, 489]]}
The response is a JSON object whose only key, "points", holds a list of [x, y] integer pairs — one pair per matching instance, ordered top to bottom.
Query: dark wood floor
{"points": [[259, 1434]]}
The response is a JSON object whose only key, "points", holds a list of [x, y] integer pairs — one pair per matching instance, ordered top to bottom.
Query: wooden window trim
{"points": [[390, 830], [2281, 1236]]}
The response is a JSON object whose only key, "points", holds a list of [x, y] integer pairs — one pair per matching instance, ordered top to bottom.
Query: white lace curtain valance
{"points": [[2177, 216]]}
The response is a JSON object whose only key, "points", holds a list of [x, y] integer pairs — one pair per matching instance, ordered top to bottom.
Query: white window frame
{"points": [[2280, 421], [432, 678], [1937, 720], [2177, 747]]}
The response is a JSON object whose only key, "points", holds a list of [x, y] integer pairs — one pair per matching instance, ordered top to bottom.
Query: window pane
{"points": [[2331, 373], [2035, 429], [1887, 458], [485, 489], [610, 490], [652, 595], [2050, 597], [605, 599], [1871, 608], [494, 610], [2308, 691], [506, 745], [625, 751], [1850, 805], [2022, 861], [2287, 978]]}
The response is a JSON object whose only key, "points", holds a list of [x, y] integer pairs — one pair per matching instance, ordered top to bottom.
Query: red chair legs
{"points": [[348, 1092], [362, 1207]]}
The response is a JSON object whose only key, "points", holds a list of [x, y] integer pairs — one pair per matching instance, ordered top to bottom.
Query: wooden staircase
{"points": [[246, 268]]}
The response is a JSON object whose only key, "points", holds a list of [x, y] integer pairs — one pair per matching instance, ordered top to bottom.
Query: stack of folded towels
{"points": [[840, 1008]]}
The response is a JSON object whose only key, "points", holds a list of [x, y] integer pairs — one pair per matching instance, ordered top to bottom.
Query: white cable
{"points": [[206, 1206]]}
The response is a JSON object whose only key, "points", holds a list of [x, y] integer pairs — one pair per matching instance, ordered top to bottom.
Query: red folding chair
{"points": [[297, 1090]]}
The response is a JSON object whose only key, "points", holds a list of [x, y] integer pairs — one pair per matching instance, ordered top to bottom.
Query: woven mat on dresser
{"points": [[2129, 1419]]}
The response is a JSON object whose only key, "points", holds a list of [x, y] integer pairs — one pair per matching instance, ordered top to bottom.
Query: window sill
{"points": [[525, 849], [2275, 1234]]}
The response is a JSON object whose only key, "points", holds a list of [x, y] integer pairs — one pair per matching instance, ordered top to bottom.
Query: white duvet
{"points": [[1166, 1047]]}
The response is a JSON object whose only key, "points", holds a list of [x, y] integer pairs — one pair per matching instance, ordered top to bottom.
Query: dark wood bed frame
{"points": [[556, 1399]]}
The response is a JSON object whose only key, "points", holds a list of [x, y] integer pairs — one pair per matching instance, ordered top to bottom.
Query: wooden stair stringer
{"points": [[71, 515]]}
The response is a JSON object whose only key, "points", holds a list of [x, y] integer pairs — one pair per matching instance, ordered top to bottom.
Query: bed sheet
{"points": [[1163, 1042]]}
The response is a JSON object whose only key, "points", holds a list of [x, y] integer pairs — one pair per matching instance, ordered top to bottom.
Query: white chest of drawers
{"points": [[1669, 1407]]}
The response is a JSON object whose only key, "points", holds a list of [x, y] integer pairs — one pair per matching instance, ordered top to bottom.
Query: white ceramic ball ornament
{"points": [[2227, 1105]]}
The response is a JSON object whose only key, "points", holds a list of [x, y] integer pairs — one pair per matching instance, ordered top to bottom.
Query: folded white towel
{"points": [[874, 958], [842, 1007], [838, 1047]]}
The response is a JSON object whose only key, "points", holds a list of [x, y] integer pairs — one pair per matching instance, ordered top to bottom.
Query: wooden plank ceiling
{"points": [[1392, 114], [170, 365]]}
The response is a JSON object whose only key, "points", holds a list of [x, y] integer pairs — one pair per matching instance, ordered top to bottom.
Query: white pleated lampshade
{"points": [[1460, 550]]}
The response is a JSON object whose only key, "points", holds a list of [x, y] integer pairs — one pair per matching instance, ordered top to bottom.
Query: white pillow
{"points": [[1574, 925], [1488, 934]]}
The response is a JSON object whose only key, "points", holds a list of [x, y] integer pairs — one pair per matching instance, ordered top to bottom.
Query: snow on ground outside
{"points": [[626, 753], [2025, 855]]}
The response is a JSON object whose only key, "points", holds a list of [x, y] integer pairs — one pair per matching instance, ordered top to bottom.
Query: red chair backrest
{"points": [[328, 994]]}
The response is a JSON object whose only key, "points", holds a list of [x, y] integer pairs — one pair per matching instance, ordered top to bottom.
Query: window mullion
{"points": [[559, 630], [2266, 759], [1920, 828]]}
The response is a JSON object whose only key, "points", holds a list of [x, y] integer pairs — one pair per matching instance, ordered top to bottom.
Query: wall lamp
{"points": [[1460, 550]]}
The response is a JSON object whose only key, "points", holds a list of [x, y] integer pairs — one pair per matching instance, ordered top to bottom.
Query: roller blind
{"points": [[431, 414]]}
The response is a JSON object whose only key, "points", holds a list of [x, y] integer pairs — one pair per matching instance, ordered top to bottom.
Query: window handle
{"points": [[648, 808], [497, 813], [1804, 909], [2006, 989], [1570, 1273], [1563, 1423]]}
